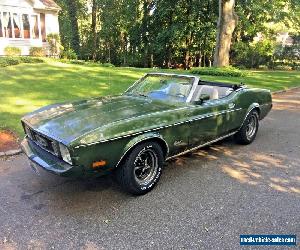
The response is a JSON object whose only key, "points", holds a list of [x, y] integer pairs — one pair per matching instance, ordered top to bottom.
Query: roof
{"points": [[50, 4]]}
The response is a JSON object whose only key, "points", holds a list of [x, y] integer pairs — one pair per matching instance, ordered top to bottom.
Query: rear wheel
{"points": [[248, 131], [141, 169]]}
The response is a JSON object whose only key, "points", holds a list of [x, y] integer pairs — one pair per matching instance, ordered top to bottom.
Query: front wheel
{"points": [[248, 131], [141, 169]]}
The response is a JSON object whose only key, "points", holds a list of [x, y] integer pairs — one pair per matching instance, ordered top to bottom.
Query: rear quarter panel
{"points": [[254, 97]]}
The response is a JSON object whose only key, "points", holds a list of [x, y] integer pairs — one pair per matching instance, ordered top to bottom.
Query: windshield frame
{"points": [[192, 89]]}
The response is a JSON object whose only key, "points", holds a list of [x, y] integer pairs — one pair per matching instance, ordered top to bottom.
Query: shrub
{"points": [[55, 46], [12, 51], [36, 51], [68, 54], [253, 54], [27, 59], [63, 60], [9, 61], [77, 62], [107, 65], [242, 67], [263, 67], [283, 67], [296, 68], [213, 71]]}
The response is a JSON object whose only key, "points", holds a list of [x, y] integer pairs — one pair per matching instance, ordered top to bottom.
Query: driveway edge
{"points": [[284, 90], [11, 152]]}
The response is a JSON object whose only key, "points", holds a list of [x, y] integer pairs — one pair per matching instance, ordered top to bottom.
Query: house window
{"points": [[7, 24], [17, 25], [26, 26], [35, 27], [43, 28], [1, 33]]}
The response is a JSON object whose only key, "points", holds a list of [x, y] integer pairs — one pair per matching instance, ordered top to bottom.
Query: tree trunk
{"points": [[226, 25], [94, 29], [145, 32]]}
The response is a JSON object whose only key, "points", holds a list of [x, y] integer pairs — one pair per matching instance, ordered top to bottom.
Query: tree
{"points": [[226, 25], [94, 28], [177, 34], [75, 40]]}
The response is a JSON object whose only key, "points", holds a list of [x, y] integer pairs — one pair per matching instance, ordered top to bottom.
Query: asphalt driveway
{"points": [[204, 200]]}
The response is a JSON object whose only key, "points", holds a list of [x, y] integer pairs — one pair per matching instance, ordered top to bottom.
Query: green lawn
{"points": [[26, 87]]}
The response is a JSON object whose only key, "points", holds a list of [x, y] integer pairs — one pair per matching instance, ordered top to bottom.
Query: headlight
{"points": [[27, 131], [65, 154]]}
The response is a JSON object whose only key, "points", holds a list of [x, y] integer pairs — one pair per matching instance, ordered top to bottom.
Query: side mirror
{"points": [[202, 99]]}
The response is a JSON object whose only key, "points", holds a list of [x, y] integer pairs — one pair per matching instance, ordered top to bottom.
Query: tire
{"points": [[248, 131], [141, 168]]}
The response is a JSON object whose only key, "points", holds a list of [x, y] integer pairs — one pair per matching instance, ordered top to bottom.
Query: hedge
{"points": [[9, 61], [213, 71]]}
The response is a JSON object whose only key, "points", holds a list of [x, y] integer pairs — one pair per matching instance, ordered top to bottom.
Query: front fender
{"points": [[138, 139]]}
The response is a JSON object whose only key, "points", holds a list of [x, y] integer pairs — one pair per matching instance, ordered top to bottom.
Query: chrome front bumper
{"points": [[47, 160]]}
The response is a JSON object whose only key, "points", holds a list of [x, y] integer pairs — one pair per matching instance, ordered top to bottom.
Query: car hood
{"points": [[97, 118]]}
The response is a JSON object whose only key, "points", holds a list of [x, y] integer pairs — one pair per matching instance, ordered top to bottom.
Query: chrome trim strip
{"points": [[200, 117], [202, 145]]}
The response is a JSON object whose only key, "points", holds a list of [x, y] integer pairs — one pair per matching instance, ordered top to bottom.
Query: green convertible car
{"points": [[159, 117]]}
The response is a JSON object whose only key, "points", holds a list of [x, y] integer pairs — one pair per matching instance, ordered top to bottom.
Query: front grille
{"points": [[43, 141]]}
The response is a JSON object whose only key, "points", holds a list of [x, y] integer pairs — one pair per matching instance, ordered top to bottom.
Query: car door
{"points": [[235, 113], [208, 121]]}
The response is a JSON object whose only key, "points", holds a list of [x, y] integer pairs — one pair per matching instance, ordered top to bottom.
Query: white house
{"points": [[26, 23]]}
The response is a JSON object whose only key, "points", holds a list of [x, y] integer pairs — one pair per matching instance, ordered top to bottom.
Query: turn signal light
{"points": [[98, 164]]}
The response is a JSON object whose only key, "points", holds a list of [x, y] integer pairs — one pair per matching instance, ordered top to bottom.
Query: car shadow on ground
{"points": [[257, 165], [276, 171], [83, 196]]}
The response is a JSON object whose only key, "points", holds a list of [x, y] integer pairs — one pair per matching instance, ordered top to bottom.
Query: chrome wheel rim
{"points": [[251, 127], [145, 166]]}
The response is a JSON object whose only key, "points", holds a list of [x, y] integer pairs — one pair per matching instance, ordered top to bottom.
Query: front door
{"points": [[208, 122]]}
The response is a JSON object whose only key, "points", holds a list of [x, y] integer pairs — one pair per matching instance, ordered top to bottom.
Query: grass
{"points": [[26, 87]]}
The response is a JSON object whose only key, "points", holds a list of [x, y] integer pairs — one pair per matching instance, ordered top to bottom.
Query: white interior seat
{"points": [[207, 90]]}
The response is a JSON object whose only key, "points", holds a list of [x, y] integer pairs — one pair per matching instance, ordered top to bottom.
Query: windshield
{"points": [[163, 87]]}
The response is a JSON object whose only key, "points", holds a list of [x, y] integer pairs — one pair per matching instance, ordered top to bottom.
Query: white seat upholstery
{"points": [[173, 89], [177, 89], [184, 89], [207, 90]]}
